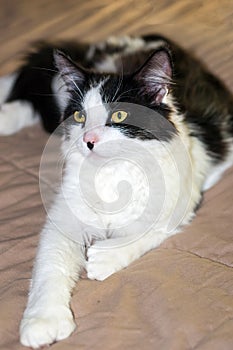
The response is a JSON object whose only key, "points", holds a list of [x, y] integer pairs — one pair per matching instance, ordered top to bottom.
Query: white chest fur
{"points": [[157, 188]]}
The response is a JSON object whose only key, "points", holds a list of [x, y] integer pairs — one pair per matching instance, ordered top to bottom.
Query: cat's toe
{"points": [[101, 263], [37, 332]]}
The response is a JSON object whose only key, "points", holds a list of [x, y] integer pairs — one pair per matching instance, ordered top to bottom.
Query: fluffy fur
{"points": [[183, 147]]}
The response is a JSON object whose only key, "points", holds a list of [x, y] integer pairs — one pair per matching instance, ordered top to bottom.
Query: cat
{"points": [[143, 111]]}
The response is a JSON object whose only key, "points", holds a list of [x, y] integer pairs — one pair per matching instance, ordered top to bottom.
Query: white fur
{"points": [[128, 45], [107, 65], [60, 91], [93, 99], [16, 115], [216, 172], [48, 317]]}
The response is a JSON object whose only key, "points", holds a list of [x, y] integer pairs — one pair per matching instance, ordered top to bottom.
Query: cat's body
{"points": [[173, 140]]}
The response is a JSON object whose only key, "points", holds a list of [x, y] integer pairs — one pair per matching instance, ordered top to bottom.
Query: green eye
{"points": [[119, 116], [79, 117]]}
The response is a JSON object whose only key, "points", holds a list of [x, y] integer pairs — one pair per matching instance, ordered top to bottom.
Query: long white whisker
{"points": [[120, 81]]}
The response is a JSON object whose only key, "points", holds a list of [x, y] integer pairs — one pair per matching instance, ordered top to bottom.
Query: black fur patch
{"points": [[206, 103], [152, 123]]}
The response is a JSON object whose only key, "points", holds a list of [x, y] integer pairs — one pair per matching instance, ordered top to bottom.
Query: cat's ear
{"points": [[72, 74], [155, 75]]}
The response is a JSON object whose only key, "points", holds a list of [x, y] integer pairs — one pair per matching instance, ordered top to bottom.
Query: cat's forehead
{"points": [[102, 90], [93, 97], [94, 104]]}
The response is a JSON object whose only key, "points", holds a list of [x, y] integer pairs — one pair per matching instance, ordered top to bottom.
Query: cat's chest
{"points": [[120, 182], [116, 188], [109, 195]]}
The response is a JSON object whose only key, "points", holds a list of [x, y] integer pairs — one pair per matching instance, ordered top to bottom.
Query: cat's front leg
{"points": [[109, 256], [48, 317]]}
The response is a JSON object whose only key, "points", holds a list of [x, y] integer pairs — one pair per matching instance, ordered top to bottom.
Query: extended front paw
{"points": [[102, 263], [46, 329]]}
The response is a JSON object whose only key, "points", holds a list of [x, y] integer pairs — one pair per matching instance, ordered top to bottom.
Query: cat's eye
{"points": [[119, 116], [79, 117]]}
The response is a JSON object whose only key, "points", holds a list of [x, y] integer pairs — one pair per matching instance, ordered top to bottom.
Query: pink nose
{"points": [[90, 138]]}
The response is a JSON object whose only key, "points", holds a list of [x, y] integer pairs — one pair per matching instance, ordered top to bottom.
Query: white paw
{"points": [[15, 116], [102, 263], [36, 332]]}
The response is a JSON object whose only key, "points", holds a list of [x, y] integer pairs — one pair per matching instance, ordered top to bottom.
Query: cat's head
{"points": [[104, 107]]}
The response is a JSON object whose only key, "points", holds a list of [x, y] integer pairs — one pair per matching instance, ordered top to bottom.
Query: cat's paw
{"points": [[15, 116], [7, 125], [102, 263], [36, 332]]}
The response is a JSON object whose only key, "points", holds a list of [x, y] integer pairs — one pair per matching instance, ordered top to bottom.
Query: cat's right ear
{"points": [[72, 74]]}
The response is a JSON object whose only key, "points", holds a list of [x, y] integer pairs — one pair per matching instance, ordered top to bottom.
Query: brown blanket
{"points": [[177, 297]]}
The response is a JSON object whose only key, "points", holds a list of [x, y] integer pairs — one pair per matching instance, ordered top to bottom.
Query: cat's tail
{"points": [[27, 94], [15, 114]]}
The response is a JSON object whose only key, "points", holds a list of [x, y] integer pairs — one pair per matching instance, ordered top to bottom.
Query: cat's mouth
{"points": [[101, 149], [106, 150], [95, 152]]}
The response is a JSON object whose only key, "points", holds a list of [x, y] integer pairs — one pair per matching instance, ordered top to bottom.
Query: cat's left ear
{"points": [[72, 74], [155, 75]]}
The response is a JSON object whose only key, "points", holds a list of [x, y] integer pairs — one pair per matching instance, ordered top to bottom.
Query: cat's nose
{"points": [[90, 138]]}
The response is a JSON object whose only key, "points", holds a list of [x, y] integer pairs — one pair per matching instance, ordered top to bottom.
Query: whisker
{"points": [[46, 69], [120, 81], [78, 91], [124, 92]]}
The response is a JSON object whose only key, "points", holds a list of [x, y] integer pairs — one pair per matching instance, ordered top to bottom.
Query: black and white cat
{"points": [[140, 110]]}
